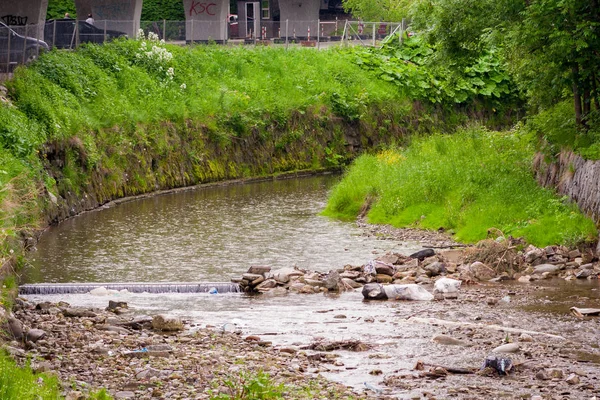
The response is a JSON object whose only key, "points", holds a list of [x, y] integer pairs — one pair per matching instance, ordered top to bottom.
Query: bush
{"points": [[466, 183]]}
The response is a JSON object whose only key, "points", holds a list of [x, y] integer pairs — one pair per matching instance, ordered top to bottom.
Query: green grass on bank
{"points": [[467, 183], [22, 384]]}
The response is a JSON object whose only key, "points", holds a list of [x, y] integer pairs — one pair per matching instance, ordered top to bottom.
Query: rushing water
{"points": [[210, 234]]}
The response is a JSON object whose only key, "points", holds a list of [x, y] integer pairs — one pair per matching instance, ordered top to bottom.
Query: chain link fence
{"points": [[22, 44]]}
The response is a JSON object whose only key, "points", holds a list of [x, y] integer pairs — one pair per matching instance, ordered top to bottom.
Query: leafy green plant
{"points": [[18, 383], [250, 386]]}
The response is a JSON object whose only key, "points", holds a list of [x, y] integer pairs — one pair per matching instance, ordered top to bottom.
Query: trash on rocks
{"points": [[446, 285], [213, 290], [376, 291], [585, 312], [502, 365]]}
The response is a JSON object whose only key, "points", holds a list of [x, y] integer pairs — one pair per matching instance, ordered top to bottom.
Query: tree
{"points": [[378, 10], [551, 46]]}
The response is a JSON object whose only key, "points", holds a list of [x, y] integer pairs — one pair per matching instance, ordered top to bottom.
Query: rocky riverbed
{"points": [[514, 304]]}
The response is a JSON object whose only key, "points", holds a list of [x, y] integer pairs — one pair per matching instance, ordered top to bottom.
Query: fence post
{"points": [[104, 30], [164, 30], [286, 33], [319, 33], [54, 34], [373, 34], [192, 36], [25, 45], [8, 50]]}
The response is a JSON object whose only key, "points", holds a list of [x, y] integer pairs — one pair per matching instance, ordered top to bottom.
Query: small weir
{"points": [[139, 287]]}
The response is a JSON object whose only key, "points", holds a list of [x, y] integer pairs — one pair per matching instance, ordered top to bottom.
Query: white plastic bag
{"points": [[446, 285], [410, 291]]}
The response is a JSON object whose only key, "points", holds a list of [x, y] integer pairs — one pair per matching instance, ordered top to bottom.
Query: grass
{"points": [[466, 183], [23, 384]]}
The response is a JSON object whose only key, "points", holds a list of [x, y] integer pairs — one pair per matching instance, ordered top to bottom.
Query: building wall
{"points": [[120, 15], [206, 19]]}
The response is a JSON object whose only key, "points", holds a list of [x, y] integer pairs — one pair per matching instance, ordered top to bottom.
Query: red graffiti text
{"points": [[198, 8]]}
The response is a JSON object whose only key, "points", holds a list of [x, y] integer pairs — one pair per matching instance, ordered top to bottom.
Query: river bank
{"points": [[401, 349]]}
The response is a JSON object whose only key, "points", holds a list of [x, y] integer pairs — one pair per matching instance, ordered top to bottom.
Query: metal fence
{"points": [[21, 44]]}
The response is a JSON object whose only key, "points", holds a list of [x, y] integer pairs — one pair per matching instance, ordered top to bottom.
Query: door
{"points": [[252, 19]]}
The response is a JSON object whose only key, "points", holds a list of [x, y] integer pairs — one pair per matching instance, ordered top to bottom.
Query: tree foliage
{"points": [[378, 10], [551, 47]]}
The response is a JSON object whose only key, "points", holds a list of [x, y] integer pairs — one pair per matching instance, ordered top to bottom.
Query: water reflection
{"points": [[210, 234]]}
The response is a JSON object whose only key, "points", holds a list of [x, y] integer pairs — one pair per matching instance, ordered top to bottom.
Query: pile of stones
{"points": [[424, 267]]}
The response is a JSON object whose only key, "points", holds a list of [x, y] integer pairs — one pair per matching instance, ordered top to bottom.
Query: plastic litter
{"points": [[446, 285], [213, 290], [376, 291], [502, 365], [368, 386]]}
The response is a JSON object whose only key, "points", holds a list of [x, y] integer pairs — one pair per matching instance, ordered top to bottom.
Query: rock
{"points": [[422, 254], [534, 254], [574, 254], [453, 256], [389, 259], [542, 268], [383, 269], [434, 269], [260, 270], [481, 271], [584, 273], [350, 274], [284, 275], [251, 277], [382, 278], [424, 279], [524, 279], [332, 280], [351, 283], [266, 285], [374, 291], [112, 305], [78, 312], [163, 322], [15, 328], [112, 328], [33, 335], [525, 337], [448, 340], [507, 348], [40, 367], [148, 373], [556, 373], [542, 375], [572, 379], [75, 395], [124, 395]]}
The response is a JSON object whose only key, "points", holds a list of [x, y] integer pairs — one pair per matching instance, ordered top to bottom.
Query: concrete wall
{"points": [[25, 12], [301, 14], [120, 15], [206, 19]]}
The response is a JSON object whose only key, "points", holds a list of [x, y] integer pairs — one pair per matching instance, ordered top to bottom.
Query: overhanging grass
{"points": [[467, 183], [22, 384]]}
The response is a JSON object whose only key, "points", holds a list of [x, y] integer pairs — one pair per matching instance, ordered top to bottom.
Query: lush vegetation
{"points": [[473, 183], [22, 384]]}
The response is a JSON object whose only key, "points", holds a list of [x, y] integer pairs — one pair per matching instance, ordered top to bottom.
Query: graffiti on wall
{"points": [[199, 8], [14, 20]]}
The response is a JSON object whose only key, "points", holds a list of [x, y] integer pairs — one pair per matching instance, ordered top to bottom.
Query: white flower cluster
{"points": [[156, 53]]}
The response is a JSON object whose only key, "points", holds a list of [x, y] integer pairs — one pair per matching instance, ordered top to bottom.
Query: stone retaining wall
{"points": [[573, 176]]}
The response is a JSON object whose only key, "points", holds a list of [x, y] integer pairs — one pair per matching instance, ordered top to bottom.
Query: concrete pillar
{"points": [[18, 13], [301, 14], [119, 15], [206, 20]]}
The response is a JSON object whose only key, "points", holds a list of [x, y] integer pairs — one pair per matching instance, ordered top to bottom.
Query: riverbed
{"points": [[217, 233]]}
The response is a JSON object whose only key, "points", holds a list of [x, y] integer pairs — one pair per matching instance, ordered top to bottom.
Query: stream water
{"points": [[216, 233]]}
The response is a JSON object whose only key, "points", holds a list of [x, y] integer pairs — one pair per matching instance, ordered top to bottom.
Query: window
{"points": [[264, 9]]}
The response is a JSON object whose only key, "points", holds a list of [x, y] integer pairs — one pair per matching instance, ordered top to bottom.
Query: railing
{"points": [[19, 44]]}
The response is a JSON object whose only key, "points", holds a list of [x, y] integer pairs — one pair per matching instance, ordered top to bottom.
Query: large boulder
{"points": [[481, 271], [283, 275], [163, 322]]}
